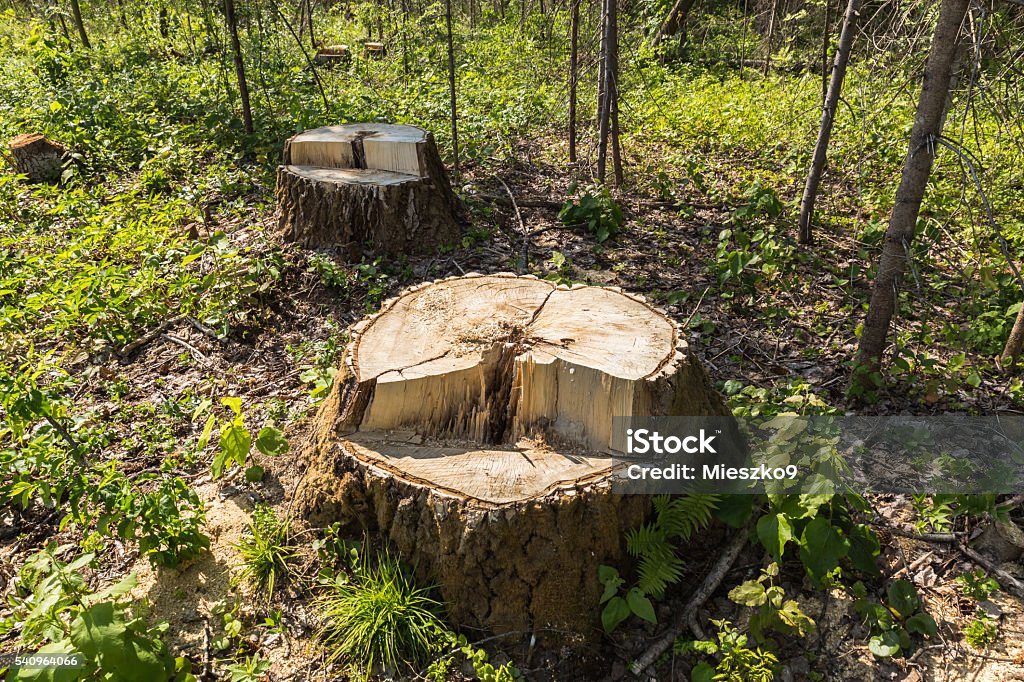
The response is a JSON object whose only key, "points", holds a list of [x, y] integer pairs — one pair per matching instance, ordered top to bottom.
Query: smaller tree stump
{"points": [[375, 50], [333, 55], [38, 158], [359, 187]]}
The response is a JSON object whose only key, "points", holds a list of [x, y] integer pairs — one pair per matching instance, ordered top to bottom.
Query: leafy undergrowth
{"points": [[159, 346]]}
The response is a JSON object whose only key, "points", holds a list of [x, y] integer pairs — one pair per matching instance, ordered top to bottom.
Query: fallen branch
{"points": [[147, 337], [203, 360], [1008, 582], [688, 616]]}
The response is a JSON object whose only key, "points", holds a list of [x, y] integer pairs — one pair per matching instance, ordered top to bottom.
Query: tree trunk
{"points": [[76, 14], [674, 23], [574, 34], [769, 38], [236, 49], [938, 75], [613, 88], [451, 89], [604, 105], [828, 114], [37, 158], [371, 186], [1015, 343], [470, 424]]}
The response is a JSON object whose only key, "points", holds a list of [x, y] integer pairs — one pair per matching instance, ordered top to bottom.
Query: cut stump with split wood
{"points": [[332, 55], [38, 158], [366, 187], [471, 425]]}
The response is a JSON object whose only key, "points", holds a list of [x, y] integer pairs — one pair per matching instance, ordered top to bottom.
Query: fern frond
{"points": [[682, 516], [655, 574]]}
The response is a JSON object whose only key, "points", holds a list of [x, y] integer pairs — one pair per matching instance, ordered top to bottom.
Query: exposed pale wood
{"points": [[373, 49], [332, 55], [358, 186], [471, 424]]}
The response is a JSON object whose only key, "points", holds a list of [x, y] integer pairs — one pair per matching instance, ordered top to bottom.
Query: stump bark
{"points": [[332, 55], [38, 158], [360, 187], [471, 425]]}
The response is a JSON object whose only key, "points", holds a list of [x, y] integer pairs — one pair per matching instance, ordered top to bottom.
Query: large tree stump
{"points": [[38, 158], [358, 187], [471, 425]]}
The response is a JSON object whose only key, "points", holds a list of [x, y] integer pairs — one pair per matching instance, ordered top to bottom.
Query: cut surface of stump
{"points": [[332, 55], [38, 158], [374, 186], [471, 424]]}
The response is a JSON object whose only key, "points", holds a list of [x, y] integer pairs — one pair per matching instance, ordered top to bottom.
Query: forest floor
{"points": [[664, 253]]}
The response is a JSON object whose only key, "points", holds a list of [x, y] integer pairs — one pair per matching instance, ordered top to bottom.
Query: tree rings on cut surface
{"points": [[365, 187], [470, 424]]}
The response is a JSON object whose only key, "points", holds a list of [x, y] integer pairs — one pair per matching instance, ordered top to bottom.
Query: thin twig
{"points": [[522, 227], [147, 337], [203, 360], [687, 616]]}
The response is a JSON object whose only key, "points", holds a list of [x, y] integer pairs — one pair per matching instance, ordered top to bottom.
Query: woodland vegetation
{"points": [[825, 196]]}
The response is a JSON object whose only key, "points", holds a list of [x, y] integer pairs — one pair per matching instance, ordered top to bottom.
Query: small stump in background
{"points": [[332, 55], [38, 158], [366, 186], [471, 425]]}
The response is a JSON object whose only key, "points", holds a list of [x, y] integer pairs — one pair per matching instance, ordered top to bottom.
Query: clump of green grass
{"points": [[265, 551], [379, 617]]}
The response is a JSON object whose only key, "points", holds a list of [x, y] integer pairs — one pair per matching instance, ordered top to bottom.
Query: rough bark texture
{"points": [[828, 115], [37, 157], [917, 168], [361, 187], [382, 212], [1015, 342], [513, 391]]}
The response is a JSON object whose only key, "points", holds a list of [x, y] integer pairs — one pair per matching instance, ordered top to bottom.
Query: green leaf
{"points": [[234, 403], [204, 439], [271, 441], [235, 442], [254, 474], [734, 510], [774, 531], [822, 545], [864, 548], [609, 577], [750, 593], [903, 598], [641, 605], [614, 612], [922, 624], [885, 645], [702, 672]]}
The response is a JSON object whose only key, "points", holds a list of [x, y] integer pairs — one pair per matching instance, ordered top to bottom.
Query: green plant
{"points": [[598, 213], [562, 273], [235, 440], [654, 545], [265, 550], [976, 585], [774, 612], [58, 614], [379, 617], [893, 623], [982, 631], [737, 662], [249, 669]]}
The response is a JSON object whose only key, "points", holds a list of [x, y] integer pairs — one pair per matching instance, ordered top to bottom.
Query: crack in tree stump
{"points": [[366, 187], [471, 425]]}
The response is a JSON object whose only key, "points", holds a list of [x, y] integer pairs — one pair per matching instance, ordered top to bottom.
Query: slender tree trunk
{"points": [[76, 13], [121, 16], [309, 23], [674, 23], [574, 35], [769, 38], [236, 49], [938, 75], [613, 87], [451, 88], [603, 107], [828, 114], [1015, 344]]}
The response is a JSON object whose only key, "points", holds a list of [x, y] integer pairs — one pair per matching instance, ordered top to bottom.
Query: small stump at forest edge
{"points": [[37, 158], [366, 187], [471, 425]]}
